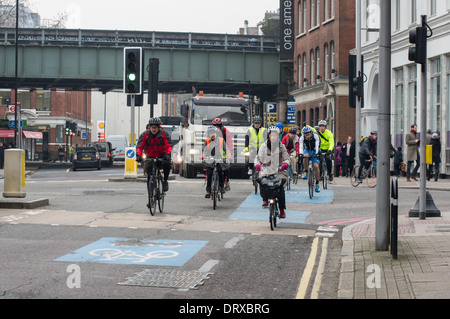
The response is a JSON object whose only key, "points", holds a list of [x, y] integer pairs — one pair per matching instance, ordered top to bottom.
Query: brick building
{"points": [[324, 36], [46, 111]]}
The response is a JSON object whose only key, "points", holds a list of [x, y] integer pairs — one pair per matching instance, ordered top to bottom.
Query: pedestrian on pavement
{"points": [[428, 142], [436, 151], [71, 152], [412, 153], [348, 156], [398, 159], [338, 164]]}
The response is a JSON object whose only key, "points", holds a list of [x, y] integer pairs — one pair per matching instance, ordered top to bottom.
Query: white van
{"points": [[119, 143]]}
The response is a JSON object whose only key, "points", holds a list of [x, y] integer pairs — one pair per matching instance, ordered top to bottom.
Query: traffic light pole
{"points": [[358, 70], [384, 128], [423, 129], [132, 139]]}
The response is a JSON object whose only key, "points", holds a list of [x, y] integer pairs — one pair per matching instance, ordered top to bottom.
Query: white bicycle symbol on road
{"points": [[113, 254]]}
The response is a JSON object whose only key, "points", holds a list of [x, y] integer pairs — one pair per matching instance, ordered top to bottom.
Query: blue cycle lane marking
{"points": [[251, 207], [160, 252]]}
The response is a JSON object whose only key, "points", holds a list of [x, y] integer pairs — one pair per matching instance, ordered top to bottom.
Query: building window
{"points": [[433, 7], [317, 12], [413, 12], [313, 14], [397, 15], [300, 17], [326, 57], [317, 65], [313, 67], [333, 67], [299, 71], [305, 79], [412, 94], [25, 99], [43, 100], [435, 103], [398, 108], [317, 116], [311, 117], [59, 132]]}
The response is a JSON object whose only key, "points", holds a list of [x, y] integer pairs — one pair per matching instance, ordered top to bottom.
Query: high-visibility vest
{"points": [[256, 140], [220, 146]]}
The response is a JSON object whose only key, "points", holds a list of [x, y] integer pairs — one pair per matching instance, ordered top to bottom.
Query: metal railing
{"points": [[145, 39]]}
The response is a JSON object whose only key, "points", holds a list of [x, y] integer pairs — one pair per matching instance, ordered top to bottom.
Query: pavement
{"points": [[421, 269]]}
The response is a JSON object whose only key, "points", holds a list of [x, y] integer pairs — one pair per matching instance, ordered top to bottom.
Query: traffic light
{"points": [[418, 53], [153, 75], [132, 81], [355, 82], [68, 126]]}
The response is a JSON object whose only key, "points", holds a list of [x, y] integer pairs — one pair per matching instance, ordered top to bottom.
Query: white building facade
{"points": [[405, 94]]}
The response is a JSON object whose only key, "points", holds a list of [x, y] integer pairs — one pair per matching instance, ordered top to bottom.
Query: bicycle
{"points": [[369, 174], [254, 175], [311, 177], [154, 185], [271, 186], [216, 195]]}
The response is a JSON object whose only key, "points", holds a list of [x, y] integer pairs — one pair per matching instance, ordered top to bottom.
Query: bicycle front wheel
{"points": [[324, 174], [354, 176], [371, 177], [311, 182], [151, 188], [215, 189], [160, 195], [272, 217]]}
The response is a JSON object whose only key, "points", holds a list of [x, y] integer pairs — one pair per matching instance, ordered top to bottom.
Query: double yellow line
{"points": [[309, 268]]}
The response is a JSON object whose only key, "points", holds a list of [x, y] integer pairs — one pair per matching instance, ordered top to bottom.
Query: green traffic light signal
{"points": [[133, 65]]}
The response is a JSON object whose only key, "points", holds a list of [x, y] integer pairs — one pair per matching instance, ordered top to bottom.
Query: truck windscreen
{"points": [[230, 115]]}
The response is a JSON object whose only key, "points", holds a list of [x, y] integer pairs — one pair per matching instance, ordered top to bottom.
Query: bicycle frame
{"points": [[154, 182]]}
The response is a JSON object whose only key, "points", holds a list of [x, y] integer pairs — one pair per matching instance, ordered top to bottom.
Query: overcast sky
{"points": [[211, 16]]}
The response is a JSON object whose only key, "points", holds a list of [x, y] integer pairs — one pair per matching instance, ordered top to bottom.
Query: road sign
{"points": [[12, 123], [130, 163]]}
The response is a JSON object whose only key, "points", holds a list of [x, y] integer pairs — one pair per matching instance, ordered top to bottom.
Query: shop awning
{"points": [[26, 134], [32, 134]]}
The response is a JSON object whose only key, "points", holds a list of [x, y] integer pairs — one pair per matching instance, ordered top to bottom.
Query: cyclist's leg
{"points": [[329, 166], [166, 169], [209, 172], [222, 174], [282, 203]]}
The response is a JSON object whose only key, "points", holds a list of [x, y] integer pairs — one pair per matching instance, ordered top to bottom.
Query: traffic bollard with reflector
{"points": [[14, 167]]}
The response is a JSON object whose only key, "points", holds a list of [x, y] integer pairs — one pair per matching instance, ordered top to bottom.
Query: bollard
{"points": [[14, 172], [394, 217]]}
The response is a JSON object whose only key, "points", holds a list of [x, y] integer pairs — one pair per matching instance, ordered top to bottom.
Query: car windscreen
{"points": [[230, 115], [100, 147], [86, 150]]}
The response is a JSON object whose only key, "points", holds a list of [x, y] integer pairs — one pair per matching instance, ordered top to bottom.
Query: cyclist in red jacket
{"points": [[155, 142]]}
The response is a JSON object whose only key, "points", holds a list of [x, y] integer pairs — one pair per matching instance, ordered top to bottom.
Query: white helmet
{"points": [[322, 122], [273, 129]]}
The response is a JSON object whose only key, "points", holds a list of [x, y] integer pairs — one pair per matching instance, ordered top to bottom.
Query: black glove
{"points": [[166, 157], [138, 158]]}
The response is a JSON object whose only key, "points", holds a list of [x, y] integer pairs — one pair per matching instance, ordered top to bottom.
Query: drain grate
{"points": [[167, 278]]}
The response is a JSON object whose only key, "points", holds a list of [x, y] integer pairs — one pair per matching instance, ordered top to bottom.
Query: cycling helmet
{"points": [[257, 120], [154, 121], [217, 121], [322, 122], [279, 125], [273, 129], [306, 129], [211, 130], [293, 130], [373, 133]]}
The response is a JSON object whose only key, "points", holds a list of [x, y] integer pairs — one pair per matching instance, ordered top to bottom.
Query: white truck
{"points": [[198, 113]]}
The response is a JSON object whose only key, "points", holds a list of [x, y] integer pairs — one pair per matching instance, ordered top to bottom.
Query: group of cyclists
{"points": [[272, 151]]}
